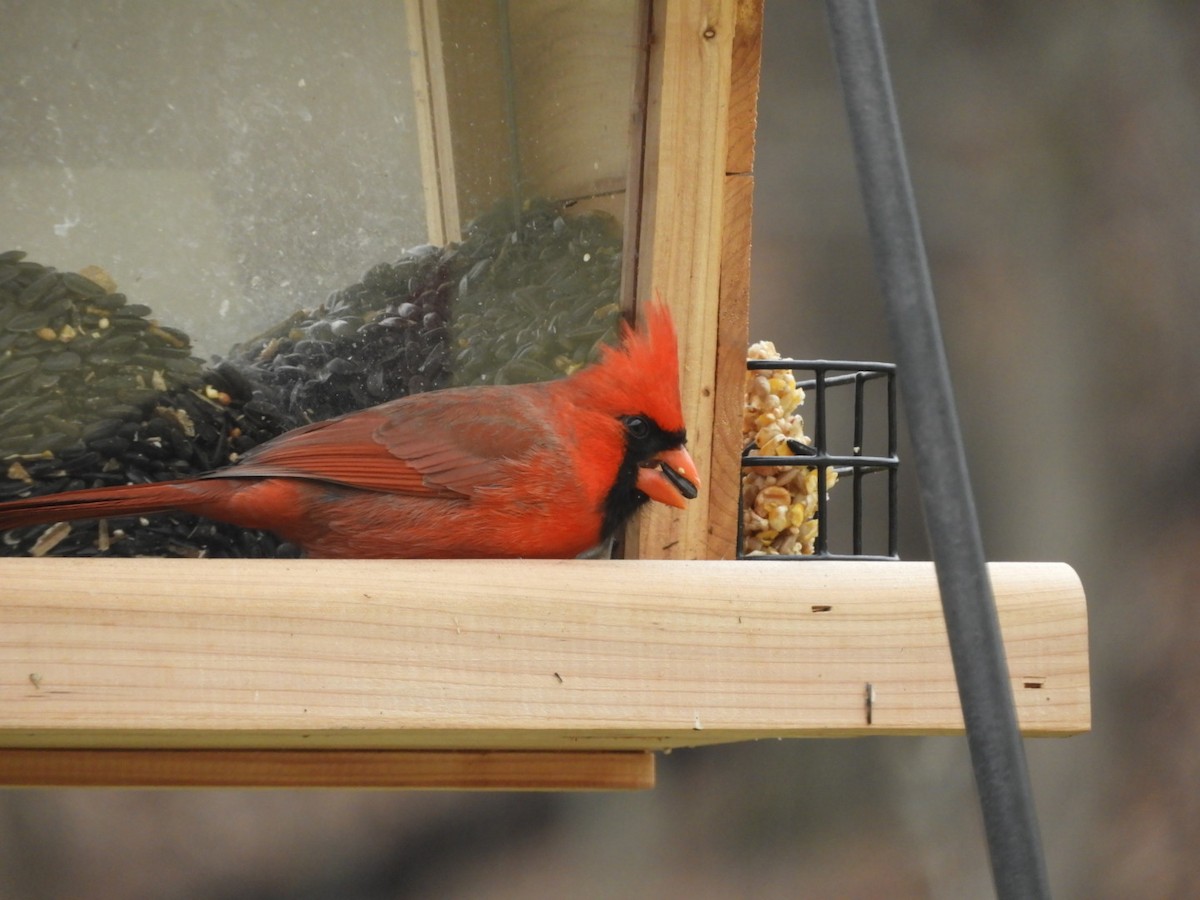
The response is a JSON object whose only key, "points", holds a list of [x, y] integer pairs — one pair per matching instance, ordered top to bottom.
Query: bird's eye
{"points": [[637, 427]]}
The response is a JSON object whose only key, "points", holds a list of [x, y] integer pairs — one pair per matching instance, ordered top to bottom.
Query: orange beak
{"points": [[670, 477]]}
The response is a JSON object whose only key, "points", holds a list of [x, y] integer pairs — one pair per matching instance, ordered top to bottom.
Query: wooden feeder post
{"points": [[694, 247], [519, 674]]}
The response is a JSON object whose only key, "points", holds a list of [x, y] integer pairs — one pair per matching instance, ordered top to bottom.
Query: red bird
{"points": [[532, 470]]}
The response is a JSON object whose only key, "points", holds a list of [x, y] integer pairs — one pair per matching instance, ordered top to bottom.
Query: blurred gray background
{"points": [[1055, 150]]}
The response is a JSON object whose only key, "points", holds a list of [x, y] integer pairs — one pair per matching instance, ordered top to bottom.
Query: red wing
{"points": [[441, 444]]}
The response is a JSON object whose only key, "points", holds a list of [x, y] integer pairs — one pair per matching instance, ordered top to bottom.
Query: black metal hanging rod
{"points": [[997, 754]]}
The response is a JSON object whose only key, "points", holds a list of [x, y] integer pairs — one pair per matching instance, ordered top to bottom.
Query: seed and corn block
{"points": [[779, 503]]}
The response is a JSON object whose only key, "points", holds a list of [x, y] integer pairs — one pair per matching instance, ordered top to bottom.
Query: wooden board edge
{"points": [[743, 98], [431, 103], [729, 384], [489, 655], [480, 770]]}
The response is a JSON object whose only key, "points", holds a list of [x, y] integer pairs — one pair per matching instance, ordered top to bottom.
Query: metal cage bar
{"points": [[827, 374]]}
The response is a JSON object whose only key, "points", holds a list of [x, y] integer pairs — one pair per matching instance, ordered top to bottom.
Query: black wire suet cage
{"points": [[838, 390]]}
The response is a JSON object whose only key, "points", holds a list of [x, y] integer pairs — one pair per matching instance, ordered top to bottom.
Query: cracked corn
{"points": [[779, 503]]}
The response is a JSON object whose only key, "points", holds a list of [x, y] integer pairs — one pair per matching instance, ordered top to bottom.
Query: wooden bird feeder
{"points": [[520, 674]]}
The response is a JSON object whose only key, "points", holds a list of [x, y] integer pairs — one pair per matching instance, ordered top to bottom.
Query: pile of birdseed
{"points": [[93, 392]]}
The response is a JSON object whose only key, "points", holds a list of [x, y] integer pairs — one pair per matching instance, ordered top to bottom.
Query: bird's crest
{"points": [[640, 376]]}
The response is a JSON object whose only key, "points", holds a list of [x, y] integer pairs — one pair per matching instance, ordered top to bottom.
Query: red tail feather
{"points": [[123, 500]]}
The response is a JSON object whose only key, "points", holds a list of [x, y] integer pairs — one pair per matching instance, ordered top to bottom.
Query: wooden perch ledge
{"points": [[479, 674]]}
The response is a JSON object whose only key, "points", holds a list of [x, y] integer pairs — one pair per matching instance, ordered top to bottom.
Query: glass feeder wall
{"points": [[224, 220]]}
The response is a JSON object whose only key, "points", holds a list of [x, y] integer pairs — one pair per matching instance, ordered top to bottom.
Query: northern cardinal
{"points": [[533, 470]]}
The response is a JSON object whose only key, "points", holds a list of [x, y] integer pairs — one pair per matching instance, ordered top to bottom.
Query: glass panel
{"points": [[224, 162], [238, 183]]}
